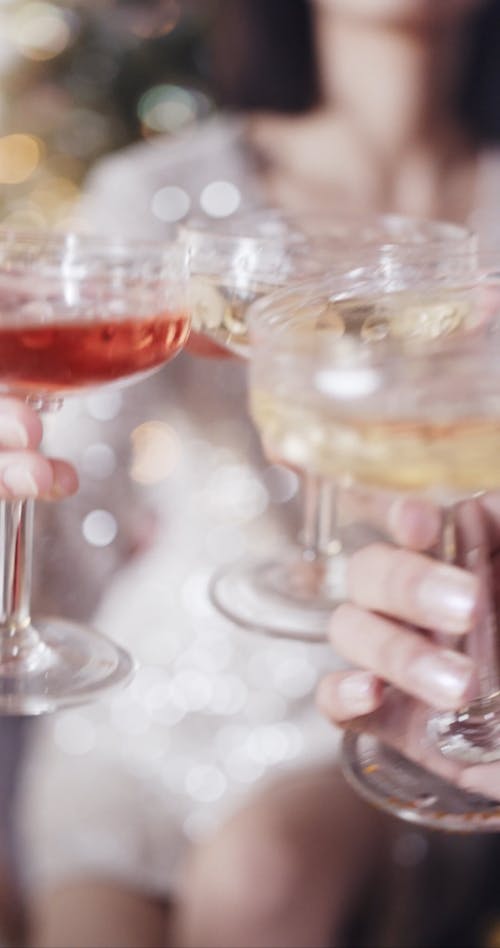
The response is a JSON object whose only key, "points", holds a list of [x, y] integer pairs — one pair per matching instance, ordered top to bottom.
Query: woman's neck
{"points": [[395, 84], [384, 136]]}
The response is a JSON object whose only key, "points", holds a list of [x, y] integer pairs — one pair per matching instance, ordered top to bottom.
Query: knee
{"points": [[255, 876]]}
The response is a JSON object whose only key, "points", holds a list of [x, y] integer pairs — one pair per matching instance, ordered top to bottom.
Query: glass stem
{"points": [[319, 535], [468, 546], [18, 637], [472, 734]]}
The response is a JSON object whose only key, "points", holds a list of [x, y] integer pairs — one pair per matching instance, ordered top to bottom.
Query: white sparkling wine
{"points": [[219, 310], [404, 420], [399, 454]]}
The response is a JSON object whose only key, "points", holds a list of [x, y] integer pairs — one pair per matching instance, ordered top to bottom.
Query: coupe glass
{"points": [[237, 261], [76, 312], [407, 398]]}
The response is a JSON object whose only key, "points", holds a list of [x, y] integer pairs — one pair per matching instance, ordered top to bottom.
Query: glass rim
{"points": [[238, 228], [82, 238], [54, 256], [274, 309], [276, 320]]}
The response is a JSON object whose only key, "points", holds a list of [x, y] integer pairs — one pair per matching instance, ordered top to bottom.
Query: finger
{"points": [[20, 426], [26, 474], [64, 480], [487, 504], [491, 504], [410, 521], [414, 522], [411, 587], [437, 676], [344, 695], [403, 723], [483, 778]]}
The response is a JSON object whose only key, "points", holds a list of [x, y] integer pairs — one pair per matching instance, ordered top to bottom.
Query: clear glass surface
{"points": [[235, 263], [75, 312], [402, 395]]}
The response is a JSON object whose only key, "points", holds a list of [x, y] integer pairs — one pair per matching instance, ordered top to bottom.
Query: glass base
{"points": [[292, 599], [70, 664], [471, 735], [402, 788]]}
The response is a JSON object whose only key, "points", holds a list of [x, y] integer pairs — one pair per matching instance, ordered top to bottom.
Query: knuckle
{"points": [[401, 580], [342, 620], [389, 651], [401, 654]]}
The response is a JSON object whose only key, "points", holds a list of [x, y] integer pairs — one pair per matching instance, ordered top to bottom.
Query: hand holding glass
{"points": [[76, 312], [408, 398]]}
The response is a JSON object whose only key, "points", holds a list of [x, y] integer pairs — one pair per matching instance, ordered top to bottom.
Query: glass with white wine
{"points": [[234, 263], [403, 395]]}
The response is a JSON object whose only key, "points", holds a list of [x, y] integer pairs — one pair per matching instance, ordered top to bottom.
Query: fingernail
{"points": [[12, 433], [19, 481], [448, 596], [443, 678], [358, 693]]}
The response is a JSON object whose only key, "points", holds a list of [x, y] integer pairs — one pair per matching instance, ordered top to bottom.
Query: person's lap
{"points": [[304, 862], [287, 868], [96, 913]]}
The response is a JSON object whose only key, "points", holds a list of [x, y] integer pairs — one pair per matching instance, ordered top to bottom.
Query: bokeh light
{"points": [[41, 30], [80, 80], [169, 108], [19, 157], [220, 199], [171, 204], [105, 405], [99, 461], [99, 528]]}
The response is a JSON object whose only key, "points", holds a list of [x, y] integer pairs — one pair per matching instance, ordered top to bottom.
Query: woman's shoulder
{"points": [[210, 137], [150, 185]]}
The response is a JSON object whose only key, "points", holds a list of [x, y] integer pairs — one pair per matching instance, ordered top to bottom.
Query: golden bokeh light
{"points": [[20, 156], [52, 194], [25, 216]]}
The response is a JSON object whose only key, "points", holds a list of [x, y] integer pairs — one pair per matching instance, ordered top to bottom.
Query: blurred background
{"points": [[79, 80]]}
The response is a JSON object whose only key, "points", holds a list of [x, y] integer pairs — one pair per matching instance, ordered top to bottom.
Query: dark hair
{"points": [[262, 57], [480, 102]]}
